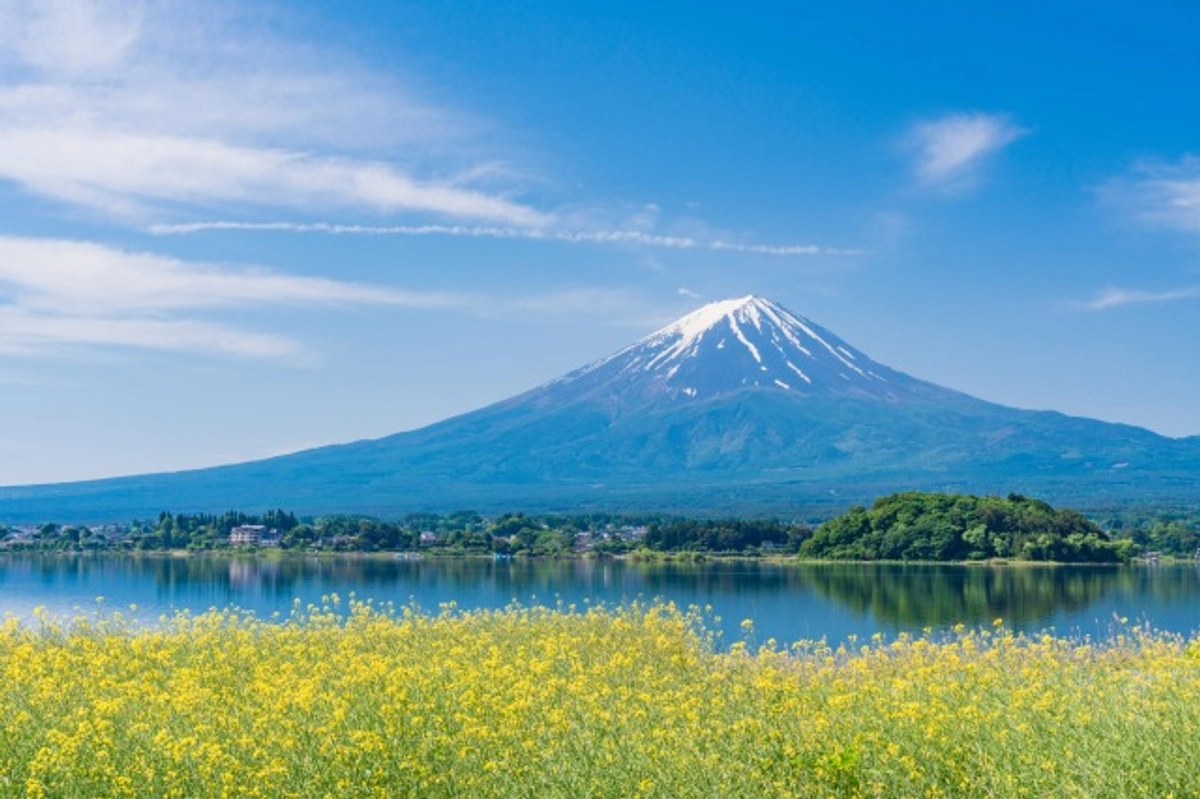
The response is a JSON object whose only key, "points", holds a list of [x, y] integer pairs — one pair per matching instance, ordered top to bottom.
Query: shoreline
{"points": [[649, 557]]}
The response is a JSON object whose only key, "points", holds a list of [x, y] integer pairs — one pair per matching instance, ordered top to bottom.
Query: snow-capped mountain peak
{"points": [[746, 320], [745, 343], [738, 344]]}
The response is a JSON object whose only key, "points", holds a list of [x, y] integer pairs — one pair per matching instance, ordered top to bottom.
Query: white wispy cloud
{"points": [[143, 108], [146, 112], [950, 149], [135, 174], [1159, 193], [634, 237], [55, 292], [60, 294], [1118, 297], [30, 334]]}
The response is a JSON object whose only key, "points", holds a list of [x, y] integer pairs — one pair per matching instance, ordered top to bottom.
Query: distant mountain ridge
{"points": [[741, 407]]}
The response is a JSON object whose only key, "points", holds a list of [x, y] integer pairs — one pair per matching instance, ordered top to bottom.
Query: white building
{"points": [[247, 535]]}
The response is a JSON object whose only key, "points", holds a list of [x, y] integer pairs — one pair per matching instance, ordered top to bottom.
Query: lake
{"points": [[788, 602]]}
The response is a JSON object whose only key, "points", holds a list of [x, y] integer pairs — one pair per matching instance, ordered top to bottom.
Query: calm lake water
{"points": [[787, 602]]}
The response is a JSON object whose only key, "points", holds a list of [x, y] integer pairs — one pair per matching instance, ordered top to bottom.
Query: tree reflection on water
{"points": [[788, 600]]}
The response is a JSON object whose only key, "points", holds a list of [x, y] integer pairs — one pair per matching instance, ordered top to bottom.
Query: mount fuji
{"points": [[739, 345], [739, 407]]}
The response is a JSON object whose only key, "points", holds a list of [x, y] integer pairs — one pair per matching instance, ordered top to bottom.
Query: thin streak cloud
{"points": [[634, 237], [1117, 298]]}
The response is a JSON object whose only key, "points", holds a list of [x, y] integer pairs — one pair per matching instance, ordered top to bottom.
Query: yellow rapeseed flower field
{"points": [[631, 702]]}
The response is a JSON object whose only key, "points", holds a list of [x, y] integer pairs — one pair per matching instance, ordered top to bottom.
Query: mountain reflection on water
{"points": [[786, 601]]}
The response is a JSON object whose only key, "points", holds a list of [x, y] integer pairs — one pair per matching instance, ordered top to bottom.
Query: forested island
{"points": [[910, 526], [952, 527]]}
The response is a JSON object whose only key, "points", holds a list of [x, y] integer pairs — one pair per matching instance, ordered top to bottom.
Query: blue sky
{"points": [[232, 230]]}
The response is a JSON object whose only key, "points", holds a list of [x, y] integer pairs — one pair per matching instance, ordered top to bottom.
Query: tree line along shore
{"points": [[908, 526]]}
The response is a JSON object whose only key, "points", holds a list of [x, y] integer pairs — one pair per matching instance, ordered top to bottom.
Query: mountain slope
{"points": [[740, 407]]}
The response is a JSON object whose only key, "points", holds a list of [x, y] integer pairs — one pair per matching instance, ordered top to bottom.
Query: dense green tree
{"points": [[939, 527], [728, 535]]}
